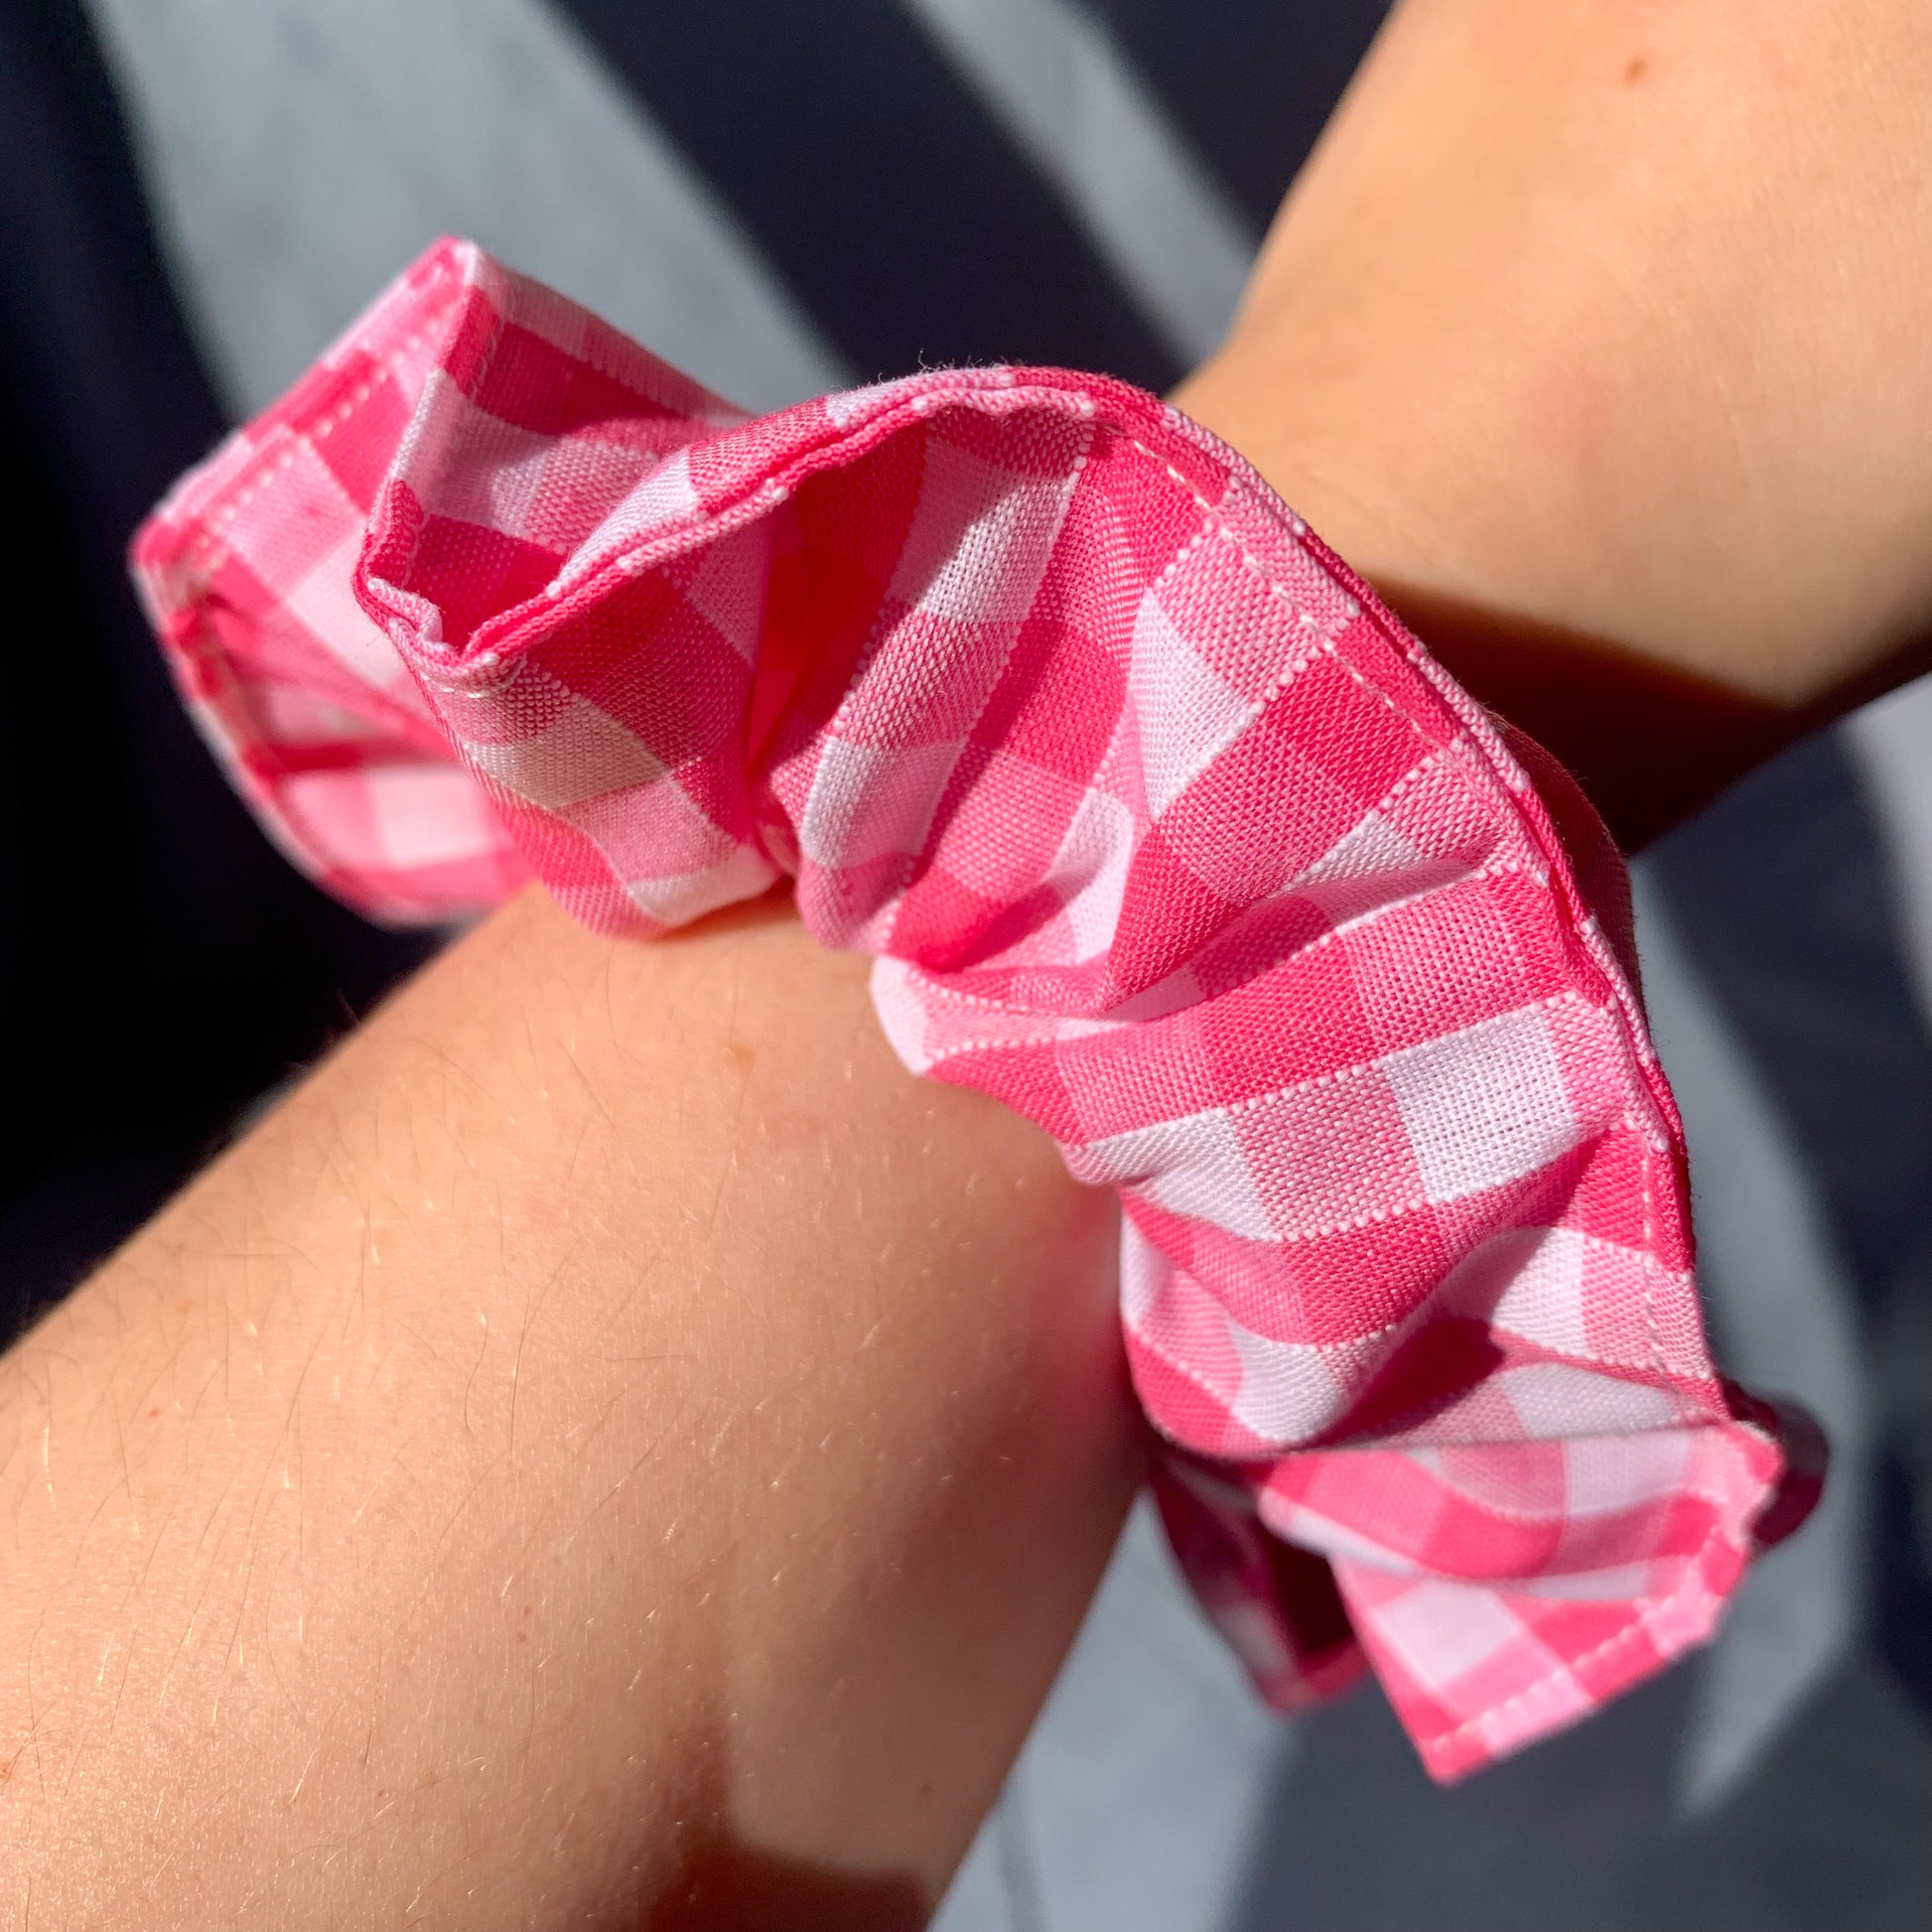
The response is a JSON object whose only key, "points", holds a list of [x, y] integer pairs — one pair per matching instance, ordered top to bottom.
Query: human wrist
{"points": [[1586, 336], [1489, 553]]}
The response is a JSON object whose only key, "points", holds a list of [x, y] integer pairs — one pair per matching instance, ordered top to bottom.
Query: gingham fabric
{"points": [[1163, 831]]}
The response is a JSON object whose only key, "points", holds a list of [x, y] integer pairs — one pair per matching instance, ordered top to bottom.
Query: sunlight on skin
{"points": [[615, 1449]]}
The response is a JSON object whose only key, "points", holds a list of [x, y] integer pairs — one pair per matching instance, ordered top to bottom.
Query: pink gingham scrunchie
{"points": [[1162, 831]]}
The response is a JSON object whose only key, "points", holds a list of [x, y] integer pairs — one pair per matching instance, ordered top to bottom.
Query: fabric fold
{"points": [[1163, 831]]}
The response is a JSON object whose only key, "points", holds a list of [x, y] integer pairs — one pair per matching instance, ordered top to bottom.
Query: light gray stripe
{"points": [[1058, 85], [299, 152], [1891, 745], [1783, 1307], [1145, 1789]]}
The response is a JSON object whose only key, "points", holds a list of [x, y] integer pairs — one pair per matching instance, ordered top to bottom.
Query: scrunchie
{"points": [[1163, 831]]}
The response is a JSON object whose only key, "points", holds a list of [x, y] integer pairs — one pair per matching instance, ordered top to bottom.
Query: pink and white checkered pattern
{"points": [[1163, 831]]}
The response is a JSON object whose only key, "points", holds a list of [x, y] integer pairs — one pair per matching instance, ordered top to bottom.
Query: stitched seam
{"points": [[224, 511], [629, 554], [1498, 765], [1413, 777], [1589, 934], [1639, 1621], [1636, 1625]]}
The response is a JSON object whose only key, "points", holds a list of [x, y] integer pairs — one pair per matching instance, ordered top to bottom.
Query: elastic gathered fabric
{"points": [[1161, 830]]}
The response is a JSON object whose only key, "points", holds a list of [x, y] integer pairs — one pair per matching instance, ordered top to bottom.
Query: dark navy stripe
{"points": [[1250, 82], [876, 185], [160, 963]]}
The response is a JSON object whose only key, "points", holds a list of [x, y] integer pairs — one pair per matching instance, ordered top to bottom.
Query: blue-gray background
{"points": [[783, 195]]}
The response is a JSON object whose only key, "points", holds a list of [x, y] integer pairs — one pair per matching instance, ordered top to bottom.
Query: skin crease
{"points": [[612, 1448]]}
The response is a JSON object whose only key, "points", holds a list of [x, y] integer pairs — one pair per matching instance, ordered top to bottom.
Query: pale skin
{"points": [[1593, 335], [609, 1387], [614, 1449]]}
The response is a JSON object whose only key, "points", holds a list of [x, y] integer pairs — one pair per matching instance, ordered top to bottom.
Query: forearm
{"points": [[1594, 335], [613, 1432]]}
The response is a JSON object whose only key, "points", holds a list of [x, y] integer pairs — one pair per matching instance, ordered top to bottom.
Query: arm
{"points": [[1595, 334], [612, 1447]]}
